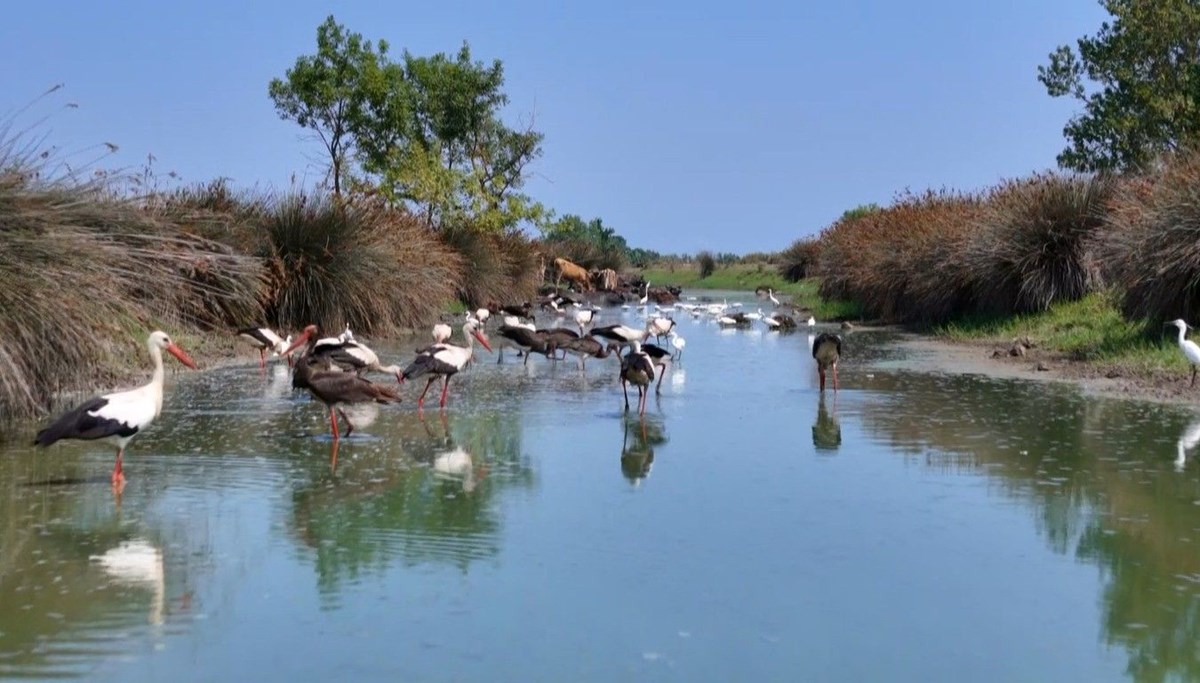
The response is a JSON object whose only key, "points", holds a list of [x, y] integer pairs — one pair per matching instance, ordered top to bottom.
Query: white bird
{"points": [[771, 295], [646, 296], [482, 315], [755, 315], [584, 318], [771, 321], [812, 322], [660, 326], [442, 332], [623, 335], [263, 338], [678, 342], [1189, 348], [347, 355], [444, 360], [120, 416]]}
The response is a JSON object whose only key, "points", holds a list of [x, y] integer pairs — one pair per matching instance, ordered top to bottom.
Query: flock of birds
{"points": [[334, 368]]}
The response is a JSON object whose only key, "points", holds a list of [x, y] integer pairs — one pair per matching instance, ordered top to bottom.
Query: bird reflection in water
{"points": [[826, 431], [641, 435], [1187, 441], [451, 462], [139, 564]]}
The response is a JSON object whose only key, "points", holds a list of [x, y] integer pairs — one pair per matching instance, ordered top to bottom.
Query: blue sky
{"points": [[684, 125]]}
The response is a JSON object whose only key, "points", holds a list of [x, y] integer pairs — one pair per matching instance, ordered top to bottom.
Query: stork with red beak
{"points": [[264, 338], [342, 352], [445, 361], [335, 388], [120, 416]]}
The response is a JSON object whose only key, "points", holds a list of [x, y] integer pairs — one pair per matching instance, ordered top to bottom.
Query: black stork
{"points": [[827, 349], [637, 369], [333, 387], [120, 416]]}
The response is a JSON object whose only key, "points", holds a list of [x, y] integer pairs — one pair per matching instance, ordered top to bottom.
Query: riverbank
{"points": [[748, 277]]}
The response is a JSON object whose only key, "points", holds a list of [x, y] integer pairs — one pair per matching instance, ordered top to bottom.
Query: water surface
{"points": [[914, 526]]}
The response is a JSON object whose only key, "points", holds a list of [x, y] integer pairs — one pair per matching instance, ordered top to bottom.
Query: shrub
{"points": [[1035, 242], [1150, 243], [799, 260], [707, 263], [501, 268], [377, 269], [84, 276]]}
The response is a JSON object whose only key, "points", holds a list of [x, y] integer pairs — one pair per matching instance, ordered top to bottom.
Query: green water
{"points": [[915, 526]]}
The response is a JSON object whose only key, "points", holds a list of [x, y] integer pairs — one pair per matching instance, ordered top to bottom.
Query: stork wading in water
{"points": [[584, 317], [264, 338], [584, 348], [1189, 348], [827, 349], [349, 355], [445, 361], [637, 369], [333, 387], [120, 416]]}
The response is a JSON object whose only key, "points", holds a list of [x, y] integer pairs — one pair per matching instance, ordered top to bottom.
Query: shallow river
{"points": [[914, 526]]}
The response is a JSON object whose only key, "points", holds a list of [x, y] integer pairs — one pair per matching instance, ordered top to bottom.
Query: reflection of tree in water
{"points": [[826, 431], [641, 435], [406, 501], [1133, 516]]}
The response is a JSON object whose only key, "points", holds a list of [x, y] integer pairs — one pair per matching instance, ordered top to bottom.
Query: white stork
{"points": [[584, 318], [660, 326], [442, 332], [263, 338], [1189, 348], [347, 355], [444, 360], [120, 416]]}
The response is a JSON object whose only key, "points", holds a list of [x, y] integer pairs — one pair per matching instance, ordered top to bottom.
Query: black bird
{"points": [[827, 349], [637, 369]]}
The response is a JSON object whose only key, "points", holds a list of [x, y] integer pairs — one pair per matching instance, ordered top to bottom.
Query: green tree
{"points": [[1139, 81], [325, 92]]}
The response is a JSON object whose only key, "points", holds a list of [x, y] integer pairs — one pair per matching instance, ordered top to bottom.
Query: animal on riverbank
{"points": [[573, 272], [1189, 348], [827, 350], [119, 416]]}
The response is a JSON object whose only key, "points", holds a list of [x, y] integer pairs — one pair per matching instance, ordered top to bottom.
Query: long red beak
{"points": [[304, 336], [483, 340], [183, 357]]}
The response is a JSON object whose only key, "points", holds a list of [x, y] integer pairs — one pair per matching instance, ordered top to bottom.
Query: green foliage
{"points": [[1145, 69], [328, 92], [426, 131], [860, 211], [589, 244], [707, 263]]}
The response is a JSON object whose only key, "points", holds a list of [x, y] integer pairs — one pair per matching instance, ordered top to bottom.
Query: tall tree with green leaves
{"points": [[1139, 81], [326, 92]]}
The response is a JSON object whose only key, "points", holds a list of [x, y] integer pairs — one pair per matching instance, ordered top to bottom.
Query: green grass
{"points": [[748, 277], [1090, 329]]}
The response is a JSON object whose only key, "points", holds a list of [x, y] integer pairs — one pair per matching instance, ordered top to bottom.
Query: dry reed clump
{"points": [[1035, 242], [1150, 243], [799, 260], [901, 263], [500, 267], [376, 269], [84, 275]]}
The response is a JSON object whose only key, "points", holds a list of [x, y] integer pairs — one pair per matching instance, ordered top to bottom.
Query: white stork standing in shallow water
{"points": [[584, 318], [621, 334], [264, 338], [349, 355], [444, 360], [120, 416]]}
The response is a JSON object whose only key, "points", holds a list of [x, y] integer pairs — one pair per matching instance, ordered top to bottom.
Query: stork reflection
{"points": [[826, 431], [641, 435], [1187, 441]]}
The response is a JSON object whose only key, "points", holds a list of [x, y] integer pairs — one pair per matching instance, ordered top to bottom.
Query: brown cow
{"points": [[573, 272]]}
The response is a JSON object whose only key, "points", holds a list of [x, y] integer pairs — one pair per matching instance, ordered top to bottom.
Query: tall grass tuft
{"points": [[1151, 243], [1035, 245], [799, 260], [901, 263], [376, 269], [84, 276]]}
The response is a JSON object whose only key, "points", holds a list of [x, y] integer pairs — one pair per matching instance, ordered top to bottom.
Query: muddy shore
{"points": [[989, 358]]}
